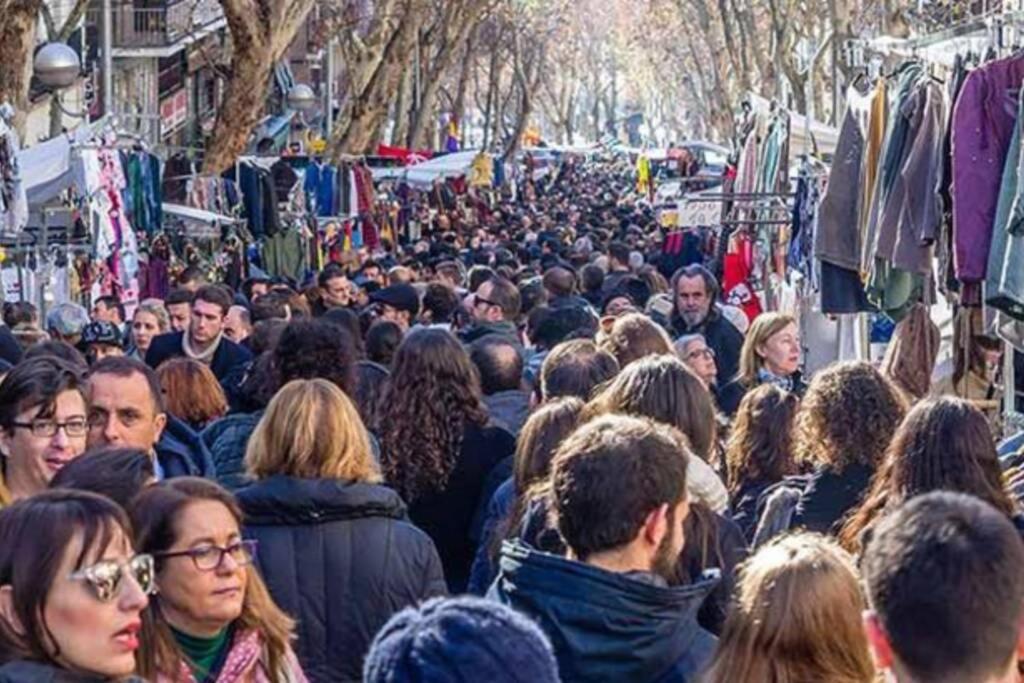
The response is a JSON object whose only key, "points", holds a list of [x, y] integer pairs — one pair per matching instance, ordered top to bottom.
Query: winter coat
{"points": [[504, 329], [226, 359], [731, 394], [509, 409], [227, 439], [181, 453], [829, 496], [744, 503], [498, 509], [448, 515], [341, 558], [606, 626], [245, 663], [36, 672]]}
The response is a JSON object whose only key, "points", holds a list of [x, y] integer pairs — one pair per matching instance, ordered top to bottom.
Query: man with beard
{"points": [[694, 311], [618, 489]]}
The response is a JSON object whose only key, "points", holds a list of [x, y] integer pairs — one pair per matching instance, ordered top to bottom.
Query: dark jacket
{"points": [[569, 301], [504, 329], [721, 336], [10, 349], [226, 359], [732, 393], [509, 409], [227, 439], [181, 453], [828, 496], [744, 504], [498, 509], [448, 515], [724, 548], [341, 558], [606, 626], [35, 672]]}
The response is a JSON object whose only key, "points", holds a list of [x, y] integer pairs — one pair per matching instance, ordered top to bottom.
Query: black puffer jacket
{"points": [[341, 558]]}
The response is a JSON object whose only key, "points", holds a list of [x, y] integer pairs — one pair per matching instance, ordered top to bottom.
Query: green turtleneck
{"points": [[203, 653]]}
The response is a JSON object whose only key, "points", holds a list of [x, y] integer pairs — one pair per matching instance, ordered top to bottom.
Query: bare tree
{"points": [[18, 20]]}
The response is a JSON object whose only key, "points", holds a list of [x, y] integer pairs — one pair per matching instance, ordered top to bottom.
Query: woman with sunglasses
{"points": [[43, 424], [74, 615], [213, 619]]}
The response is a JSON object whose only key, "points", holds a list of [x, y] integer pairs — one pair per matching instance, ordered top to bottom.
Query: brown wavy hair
{"points": [[634, 336], [191, 391], [432, 394], [848, 415], [761, 444], [943, 444], [796, 617]]}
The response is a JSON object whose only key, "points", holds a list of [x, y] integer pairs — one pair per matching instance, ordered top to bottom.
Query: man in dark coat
{"points": [[695, 293], [494, 308], [204, 341], [501, 380], [126, 410], [619, 493]]}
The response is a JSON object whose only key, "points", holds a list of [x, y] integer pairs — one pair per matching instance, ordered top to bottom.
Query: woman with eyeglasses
{"points": [[695, 353], [43, 424], [72, 590], [213, 619]]}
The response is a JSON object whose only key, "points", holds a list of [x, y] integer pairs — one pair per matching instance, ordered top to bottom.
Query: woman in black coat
{"points": [[770, 355], [437, 448], [335, 547]]}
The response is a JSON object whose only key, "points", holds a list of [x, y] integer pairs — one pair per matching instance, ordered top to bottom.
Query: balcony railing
{"points": [[158, 26]]}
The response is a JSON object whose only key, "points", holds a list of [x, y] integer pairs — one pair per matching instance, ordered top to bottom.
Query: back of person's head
{"points": [[620, 252], [452, 271], [479, 275], [592, 277], [559, 281], [179, 296], [439, 304], [274, 305], [20, 313], [348, 319], [66, 320], [549, 327], [265, 335], [634, 336], [382, 340], [57, 349], [310, 349], [499, 363], [576, 368], [370, 381], [663, 389], [192, 392], [848, 415], [546, 428], [311, 430], [760, 444], [943, 444], [117, 473], [610, 475], [946, 590], [796, 617], [460, 639]]}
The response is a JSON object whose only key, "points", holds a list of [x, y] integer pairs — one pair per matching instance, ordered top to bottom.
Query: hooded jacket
{"points": [[181, 453], [341, 558], [606, 626], [36, 672]]}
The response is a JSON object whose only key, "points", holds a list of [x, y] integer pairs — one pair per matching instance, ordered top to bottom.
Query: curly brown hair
{"points": [[432, 394], [848, 416], [760, 444]]}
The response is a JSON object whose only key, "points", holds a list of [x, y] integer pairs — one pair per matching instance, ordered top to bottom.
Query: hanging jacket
{"points": [[983, 122], [837, 239], [1004, 282], [341, 557], [605, 626], [246, 662]]}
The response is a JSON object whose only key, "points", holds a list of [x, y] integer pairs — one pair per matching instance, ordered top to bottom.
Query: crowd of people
{"points": [[532, 446]]}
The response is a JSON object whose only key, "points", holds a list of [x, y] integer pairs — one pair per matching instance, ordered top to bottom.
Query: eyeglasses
{"points": [[477, 300], [708, 353], [76, 426], [207, 558], [107, 577]]}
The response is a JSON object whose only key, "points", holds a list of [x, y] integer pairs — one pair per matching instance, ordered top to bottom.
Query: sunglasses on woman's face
{"points": [[107, 576]]}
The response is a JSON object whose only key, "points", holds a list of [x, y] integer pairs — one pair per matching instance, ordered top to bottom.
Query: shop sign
{"points": [[174, 110], [694, 213]]}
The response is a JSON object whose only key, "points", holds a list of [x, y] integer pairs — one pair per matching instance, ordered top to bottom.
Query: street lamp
{"points": [[57, 67], [301, 98]]}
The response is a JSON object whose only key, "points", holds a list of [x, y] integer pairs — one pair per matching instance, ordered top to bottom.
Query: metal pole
{"points": [[108, 57], [329, 89], [42, 262]]}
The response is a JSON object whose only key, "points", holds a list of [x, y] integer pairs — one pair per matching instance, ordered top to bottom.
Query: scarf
{"points": [[204, 357], [766, 377]]}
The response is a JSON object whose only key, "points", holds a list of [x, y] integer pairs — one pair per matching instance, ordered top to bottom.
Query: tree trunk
{"points": [[18, 19], [401, 131]]}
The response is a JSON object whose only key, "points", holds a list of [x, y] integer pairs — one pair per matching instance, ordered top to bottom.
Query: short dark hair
{"points": [[619, 251], [452, 270], [331, 271], [191, 274], [479, 275], [592, 277], [560, 281], [250, 283], [216, 295], [179, 296], [506, 296], [110, 301], [441, 301], [271, 306], [19, 312], [550, 327], [382, 340], [56, 349], [315, 349], [499, 363], [126, 366], [576, 368], [38, 382], [117, 473], [610, 474], [37, 532], [944, 575]]}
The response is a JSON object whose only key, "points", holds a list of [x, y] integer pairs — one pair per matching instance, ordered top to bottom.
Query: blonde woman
{"points": [[770, 355], [335, 547], [796, 618]]}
